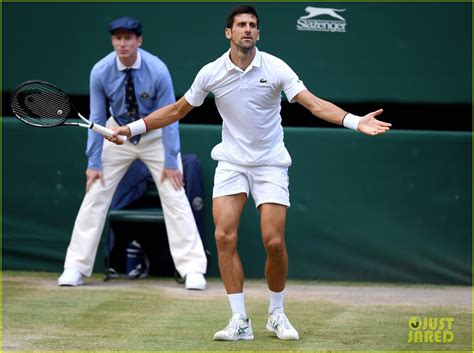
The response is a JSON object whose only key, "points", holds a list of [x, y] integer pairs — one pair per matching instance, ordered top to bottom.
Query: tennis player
{"points": [[252, 158]]}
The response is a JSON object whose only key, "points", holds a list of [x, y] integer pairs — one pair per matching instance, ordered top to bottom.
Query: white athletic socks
{"points": [[276, 301], [237, 304]]}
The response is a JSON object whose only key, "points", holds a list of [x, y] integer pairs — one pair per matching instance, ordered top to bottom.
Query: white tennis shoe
{"points": [[70, 277], [195, 280], [279, 324], [237, 329]]}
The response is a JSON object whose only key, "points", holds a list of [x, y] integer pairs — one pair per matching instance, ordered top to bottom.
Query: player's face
{"points": [[244, 32], [126, 45]]}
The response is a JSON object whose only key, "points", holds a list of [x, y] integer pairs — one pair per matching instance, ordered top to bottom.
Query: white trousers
{"points": [[185, 243]]}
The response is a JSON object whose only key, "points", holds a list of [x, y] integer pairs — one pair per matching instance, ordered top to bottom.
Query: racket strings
{"points": [[40, 104]]}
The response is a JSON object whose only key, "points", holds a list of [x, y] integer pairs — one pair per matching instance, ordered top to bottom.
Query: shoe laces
{"points": [[280, 319], [234, 323]]}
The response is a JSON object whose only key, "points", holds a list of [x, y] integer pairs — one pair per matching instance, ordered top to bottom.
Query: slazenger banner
{"points": [[322, 19]]}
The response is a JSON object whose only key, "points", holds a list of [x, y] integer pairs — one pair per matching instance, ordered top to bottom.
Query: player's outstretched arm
{"points": [[330, 112], [156, 120]]}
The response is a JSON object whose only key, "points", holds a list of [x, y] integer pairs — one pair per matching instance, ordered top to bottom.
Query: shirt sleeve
{"points": [[291, 84], [198, 90], [98, 115], [170, 133]]}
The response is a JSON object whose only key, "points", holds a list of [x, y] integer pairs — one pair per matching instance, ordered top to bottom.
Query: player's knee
{"points": [[225, 239], [274, 245]]}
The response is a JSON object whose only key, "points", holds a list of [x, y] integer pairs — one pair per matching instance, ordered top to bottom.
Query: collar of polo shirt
{"points": [[256, 62]]}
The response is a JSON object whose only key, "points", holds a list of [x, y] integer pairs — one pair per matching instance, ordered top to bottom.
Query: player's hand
{"points": [[371, 126], [118, 130], [91, 176], [175, 177]]}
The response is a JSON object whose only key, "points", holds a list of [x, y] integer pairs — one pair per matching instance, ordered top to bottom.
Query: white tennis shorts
{"points": [[267, 184]]}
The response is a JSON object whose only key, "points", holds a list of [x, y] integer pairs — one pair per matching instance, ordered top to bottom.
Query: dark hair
{"points": [[238, 11]]}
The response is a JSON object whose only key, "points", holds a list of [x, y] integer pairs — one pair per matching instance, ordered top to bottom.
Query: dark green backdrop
{"points": [[391, 52], [395, 207], [390, 208]]}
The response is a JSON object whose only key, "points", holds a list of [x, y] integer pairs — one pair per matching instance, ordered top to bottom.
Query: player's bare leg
{"points": [[226, 211], [272, 222]]}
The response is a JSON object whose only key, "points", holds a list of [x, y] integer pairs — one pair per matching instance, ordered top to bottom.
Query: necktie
{"points": [[131, 102]]}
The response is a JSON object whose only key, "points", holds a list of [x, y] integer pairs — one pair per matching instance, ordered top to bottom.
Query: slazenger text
{"points": [[320, 25]]}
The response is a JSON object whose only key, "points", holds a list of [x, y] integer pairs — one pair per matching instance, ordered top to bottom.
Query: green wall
{"points": [[391, 52], [395, 207]]}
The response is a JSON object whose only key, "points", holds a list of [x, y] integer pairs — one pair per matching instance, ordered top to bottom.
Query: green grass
{"points": [[140, 315]]}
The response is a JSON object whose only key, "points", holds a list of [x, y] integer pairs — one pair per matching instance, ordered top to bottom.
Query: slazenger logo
{"points": [[309, 23]]}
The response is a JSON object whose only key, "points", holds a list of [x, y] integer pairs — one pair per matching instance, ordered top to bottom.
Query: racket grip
{"points": [[106, 132]]}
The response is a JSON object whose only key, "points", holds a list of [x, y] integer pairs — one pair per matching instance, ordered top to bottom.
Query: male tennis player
{"points": [[134, 83], [252, 157]]}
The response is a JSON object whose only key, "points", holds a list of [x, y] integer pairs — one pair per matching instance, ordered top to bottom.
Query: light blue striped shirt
{"points": [[154, 89]]}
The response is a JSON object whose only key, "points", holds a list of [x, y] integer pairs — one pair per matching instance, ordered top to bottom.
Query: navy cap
{"points": [[127, 23]]}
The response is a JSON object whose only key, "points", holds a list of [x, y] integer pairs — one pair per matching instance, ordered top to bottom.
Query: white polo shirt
{"points": [[249, 103]]}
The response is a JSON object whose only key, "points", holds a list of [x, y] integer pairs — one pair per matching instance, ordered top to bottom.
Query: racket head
{"points": [[41, 104]]}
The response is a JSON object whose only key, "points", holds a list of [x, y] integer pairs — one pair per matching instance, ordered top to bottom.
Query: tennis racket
{"points": [[41, 104]]}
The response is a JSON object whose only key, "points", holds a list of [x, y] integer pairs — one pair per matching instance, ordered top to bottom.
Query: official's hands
{"points": [[371, 126], [118, 130], [91, 176], [175, 177]]}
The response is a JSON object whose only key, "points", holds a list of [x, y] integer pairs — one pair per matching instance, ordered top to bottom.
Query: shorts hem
{"points": [[229, 193], [278, 202]]}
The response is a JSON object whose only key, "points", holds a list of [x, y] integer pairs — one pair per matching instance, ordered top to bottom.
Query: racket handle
{"points": [[106, 132]]}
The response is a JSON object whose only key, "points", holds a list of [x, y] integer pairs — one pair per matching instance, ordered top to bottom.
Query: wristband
{"points": [[351, 121], [137, 127]]}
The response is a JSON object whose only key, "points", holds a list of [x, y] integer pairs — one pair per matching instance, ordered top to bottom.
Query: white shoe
{"points": [[70, 277], [195, 280], [279, 324], [237, 329]]}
